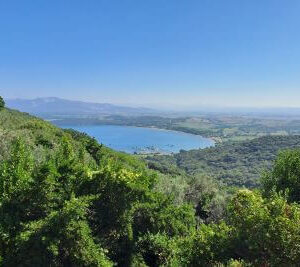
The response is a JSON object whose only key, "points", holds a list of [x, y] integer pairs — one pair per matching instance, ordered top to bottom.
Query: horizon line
{"points": [[190, 108]]}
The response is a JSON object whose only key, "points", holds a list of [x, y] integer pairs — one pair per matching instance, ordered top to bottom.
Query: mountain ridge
{"points": [[60, 106]]}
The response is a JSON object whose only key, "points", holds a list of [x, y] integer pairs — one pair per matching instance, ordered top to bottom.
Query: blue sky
{"points": [[160, 53]]}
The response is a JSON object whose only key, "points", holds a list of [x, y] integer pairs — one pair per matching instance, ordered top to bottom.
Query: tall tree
{"points": [[2, 103]]}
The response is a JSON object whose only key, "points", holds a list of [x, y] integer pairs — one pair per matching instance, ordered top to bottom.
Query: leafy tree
{"points": [[2, 103], [15, 173], [285, 176], [15, 181], [208, 198], [159, 215], [42, 222], [264, 231], [63, 238], [208, 245], [159, 250]]}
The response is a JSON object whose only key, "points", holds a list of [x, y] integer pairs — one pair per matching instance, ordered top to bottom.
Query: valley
{"points": [[67, 198]]}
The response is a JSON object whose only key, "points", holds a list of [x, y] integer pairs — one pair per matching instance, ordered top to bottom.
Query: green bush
{"points": [[284, 178], [265, 231], [158, 250]]}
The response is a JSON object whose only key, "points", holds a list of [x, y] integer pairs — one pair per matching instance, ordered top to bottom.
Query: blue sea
{"points": [[144, 140]]}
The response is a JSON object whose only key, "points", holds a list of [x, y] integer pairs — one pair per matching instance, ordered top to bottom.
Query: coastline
{"points": [[215, 139], [146, 148]]}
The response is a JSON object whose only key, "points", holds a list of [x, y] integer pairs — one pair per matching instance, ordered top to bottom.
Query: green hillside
{"points": [[39, 135], [43, 139], [238, 164], [66, 200]]}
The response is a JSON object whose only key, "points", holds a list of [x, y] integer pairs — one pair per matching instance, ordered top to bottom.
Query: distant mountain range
{"points": [[53, 106], [58, 106]]}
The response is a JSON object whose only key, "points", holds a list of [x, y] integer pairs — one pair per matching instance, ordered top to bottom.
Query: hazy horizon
{"points": [[188, 108]]}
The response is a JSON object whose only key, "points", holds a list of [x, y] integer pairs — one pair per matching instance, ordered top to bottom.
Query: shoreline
{"points": [[214, 139], [146, 150]]}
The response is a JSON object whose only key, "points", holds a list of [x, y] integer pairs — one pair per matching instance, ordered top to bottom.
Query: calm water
{"points": [[144, 140]]}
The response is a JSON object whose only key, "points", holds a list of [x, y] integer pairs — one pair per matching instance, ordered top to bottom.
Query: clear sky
{"points": [[172, 53]]}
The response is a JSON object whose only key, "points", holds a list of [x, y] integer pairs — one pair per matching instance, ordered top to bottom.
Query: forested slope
{"points": [[40, 136], [43, 139], [238, 164], [66, 200]]}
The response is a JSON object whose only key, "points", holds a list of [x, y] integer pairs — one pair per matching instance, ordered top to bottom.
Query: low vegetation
{"points": [[233, 164]]}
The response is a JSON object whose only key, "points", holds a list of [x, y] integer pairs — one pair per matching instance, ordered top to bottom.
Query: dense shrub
{"points": [[284, 178]]}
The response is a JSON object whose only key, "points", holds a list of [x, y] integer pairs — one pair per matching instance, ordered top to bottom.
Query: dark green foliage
{"points": [[2, 103], [90, 144], [237, 164], [15, 173], [285, 176], [206, 195], [62, 213], [36, 214], [159, 215], [265, 231], [63, 238], [209, 245], [159, 250]]}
